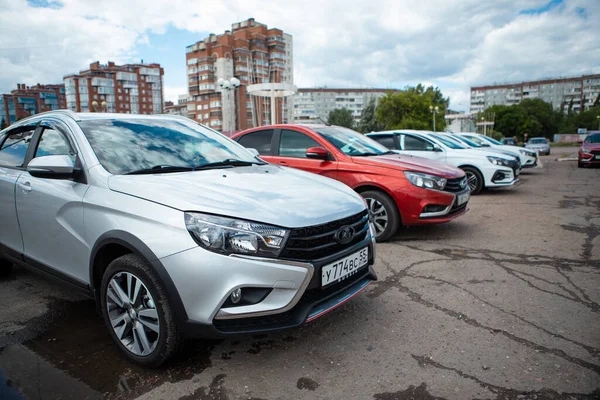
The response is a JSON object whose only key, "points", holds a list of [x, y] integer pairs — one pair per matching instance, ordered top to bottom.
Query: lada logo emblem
{"points": [[344, 234]]}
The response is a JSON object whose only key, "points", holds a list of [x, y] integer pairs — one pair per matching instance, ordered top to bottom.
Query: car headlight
{"points": [[583, 149], [527, 153], [498, 161], [425, 180], [228, 235]]}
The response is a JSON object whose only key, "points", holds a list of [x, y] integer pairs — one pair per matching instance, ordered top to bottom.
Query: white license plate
{"points": [[597, 157], [463, 198], [342, 269]]}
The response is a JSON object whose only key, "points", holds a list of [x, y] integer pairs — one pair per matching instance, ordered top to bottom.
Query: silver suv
{"points": [[176, 230]]}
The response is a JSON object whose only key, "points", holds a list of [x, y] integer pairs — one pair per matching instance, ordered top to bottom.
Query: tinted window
{"points": [[593, 138], [386, 140], [261, 141], [538, 141], [351, 142], [52, 143], [412, 143], [449, 143], [295, 144], [127, 145], [14, 149]]}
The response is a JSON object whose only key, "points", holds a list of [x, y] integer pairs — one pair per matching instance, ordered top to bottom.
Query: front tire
{"points": [[474, 179], [384, 214], [5, 267], [137, 312]]}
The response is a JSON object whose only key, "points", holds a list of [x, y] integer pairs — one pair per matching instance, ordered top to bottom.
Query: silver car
{"points": [[539, 144], [176, 230]]}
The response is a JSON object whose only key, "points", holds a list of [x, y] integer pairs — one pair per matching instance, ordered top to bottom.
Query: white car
{"points": [[469, 144], [528, 157], [483, 169]]}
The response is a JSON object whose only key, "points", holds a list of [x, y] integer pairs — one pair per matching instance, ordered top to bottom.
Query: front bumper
{"points": [[588, 158], [529, 161], [496, 176], [419, 206], [205, 281]]}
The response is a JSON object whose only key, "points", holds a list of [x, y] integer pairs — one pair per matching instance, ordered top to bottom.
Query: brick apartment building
{"points": [[251, 52], [129, 88], [577, 93], [29, 100], [314, 103], [177, 109]]}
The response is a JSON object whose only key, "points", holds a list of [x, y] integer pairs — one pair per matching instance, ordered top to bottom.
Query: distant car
{"points": [[509, 141], [540, 144], [589, 152], [527, 157], [483, 169], [398, 189]]}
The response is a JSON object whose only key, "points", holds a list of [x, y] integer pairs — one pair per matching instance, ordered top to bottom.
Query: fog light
{"points": [[236, 296]]}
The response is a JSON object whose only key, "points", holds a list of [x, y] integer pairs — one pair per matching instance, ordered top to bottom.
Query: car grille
{"points": [[596, 152], [515, 165], [454, 184], [318, 241]]}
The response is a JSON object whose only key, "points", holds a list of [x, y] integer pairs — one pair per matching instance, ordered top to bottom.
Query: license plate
{"points": [[597, 157], [463, 198], [342, 269]]}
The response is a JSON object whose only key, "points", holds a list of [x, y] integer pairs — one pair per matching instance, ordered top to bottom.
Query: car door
{"points": [[261, 141], [390, 141], [418, 146], [13, 151], [290, 151], [50, 211]]}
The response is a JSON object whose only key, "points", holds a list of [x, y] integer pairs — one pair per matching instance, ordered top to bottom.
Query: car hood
{"points": [[591, 146], [403, 162], [263, 193]]}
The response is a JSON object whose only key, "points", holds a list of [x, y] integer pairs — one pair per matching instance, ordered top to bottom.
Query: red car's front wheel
{"points": [[384, 214]]}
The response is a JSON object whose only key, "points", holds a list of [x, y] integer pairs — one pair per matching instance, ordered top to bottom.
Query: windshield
{"points": [[595, 138], [489, 139], [466, 141], [538, 141], [351, 142], [448, 142], [126, 145]]}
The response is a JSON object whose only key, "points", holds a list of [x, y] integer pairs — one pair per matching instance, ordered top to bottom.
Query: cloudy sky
{"points": [[352, 43]]}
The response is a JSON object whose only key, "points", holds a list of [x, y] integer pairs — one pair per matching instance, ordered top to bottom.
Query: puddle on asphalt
{"points": [[77, 342]]}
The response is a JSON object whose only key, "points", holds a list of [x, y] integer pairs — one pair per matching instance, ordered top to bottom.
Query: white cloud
{"points": [[386, 43], [172, 92]]}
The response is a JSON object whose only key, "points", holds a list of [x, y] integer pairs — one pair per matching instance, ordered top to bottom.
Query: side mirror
{"points": [[579, 141], [485, 145], [253, 151], [317, 153], [51, 167]]}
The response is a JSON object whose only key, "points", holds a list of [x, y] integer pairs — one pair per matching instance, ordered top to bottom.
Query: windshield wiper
{"points": [[230, 162], [160, 169]]}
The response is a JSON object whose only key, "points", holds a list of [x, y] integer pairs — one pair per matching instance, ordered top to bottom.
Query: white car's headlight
{"points": [[527, 153], [498, 161], [425, 180], [228, 235]]}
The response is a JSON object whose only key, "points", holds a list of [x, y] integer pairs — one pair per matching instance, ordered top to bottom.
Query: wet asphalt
{"points": [[503, 303]]}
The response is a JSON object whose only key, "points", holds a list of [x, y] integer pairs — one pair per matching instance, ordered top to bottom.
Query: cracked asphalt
{"points": [[503, 303]]}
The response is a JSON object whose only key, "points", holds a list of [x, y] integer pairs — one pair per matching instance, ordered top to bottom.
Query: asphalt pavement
{"points": [[503, 303]]}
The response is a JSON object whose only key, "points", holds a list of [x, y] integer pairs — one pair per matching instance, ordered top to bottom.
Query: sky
{"points": [[452, 44]]}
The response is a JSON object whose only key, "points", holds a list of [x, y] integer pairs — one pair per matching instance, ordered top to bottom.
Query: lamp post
{"points": [[229, 86], [103, 106], [434, 110], [598, 118], [484, 126]]}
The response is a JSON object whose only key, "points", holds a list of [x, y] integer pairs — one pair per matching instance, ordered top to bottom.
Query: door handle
{"points": [[283, 163], [25, 187]]}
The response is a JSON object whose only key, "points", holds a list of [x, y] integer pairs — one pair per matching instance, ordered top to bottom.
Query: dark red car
{"points": [[589, 152], [398, 189]]}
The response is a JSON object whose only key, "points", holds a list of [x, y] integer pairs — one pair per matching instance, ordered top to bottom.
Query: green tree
{"points": [[409, 109], [341, 117], [368, 118], [2, 124]]}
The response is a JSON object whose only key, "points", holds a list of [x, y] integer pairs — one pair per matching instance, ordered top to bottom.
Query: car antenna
{"points": [[322, 120]]}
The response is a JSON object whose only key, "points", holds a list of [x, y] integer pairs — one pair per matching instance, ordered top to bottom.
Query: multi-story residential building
{"points": [[251, 52], [130, 88], [577, 93], [29, 100], [310, 105], [177, 109]]}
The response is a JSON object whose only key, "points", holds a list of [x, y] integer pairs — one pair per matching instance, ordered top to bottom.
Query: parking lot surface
{"points": [[503, 303]]}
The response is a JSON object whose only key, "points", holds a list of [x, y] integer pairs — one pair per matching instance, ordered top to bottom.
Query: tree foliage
{"points": [[409, 109], [341, 117], [368, 118]]}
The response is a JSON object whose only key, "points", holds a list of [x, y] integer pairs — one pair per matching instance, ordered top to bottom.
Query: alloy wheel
{"points": [[471, 180], [378, 215], [132, 313]]}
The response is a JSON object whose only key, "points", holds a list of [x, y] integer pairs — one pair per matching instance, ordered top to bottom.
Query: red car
{"points": [[589, 152], [398, 189]]}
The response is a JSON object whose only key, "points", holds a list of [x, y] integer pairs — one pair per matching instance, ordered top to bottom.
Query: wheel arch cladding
{"points": [[367, 187], [114, 244]]}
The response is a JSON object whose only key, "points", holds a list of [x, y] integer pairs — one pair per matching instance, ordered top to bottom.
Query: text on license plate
{"points": [[597, 157], [463, 198], [345, 267]]}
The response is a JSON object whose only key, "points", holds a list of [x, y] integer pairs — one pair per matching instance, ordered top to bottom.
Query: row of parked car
{"points": [[175, 230]]}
